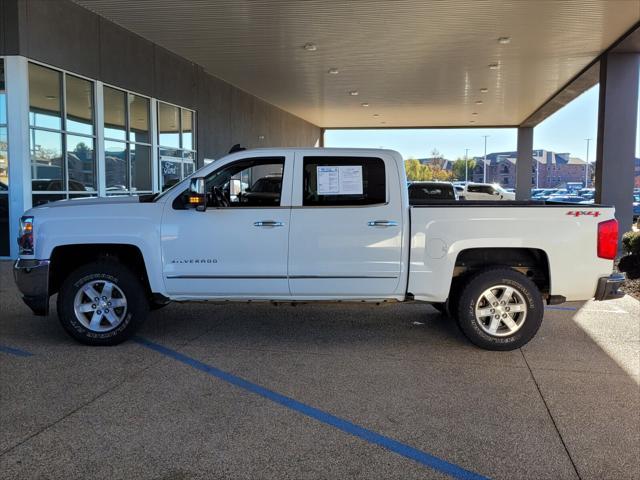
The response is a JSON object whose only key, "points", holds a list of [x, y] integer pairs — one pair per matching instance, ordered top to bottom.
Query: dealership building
{"points": [[101, 98]]}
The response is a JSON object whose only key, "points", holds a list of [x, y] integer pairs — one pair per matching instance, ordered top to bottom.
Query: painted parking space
{"points": [[341, 424]]}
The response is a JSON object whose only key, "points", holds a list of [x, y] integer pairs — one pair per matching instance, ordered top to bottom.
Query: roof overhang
{"points": [[413, 63]]}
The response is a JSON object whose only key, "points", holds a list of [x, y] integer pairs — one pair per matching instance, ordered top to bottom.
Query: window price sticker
{"points": [[340, 180]]}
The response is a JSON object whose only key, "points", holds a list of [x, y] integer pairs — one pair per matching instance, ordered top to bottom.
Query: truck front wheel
{"points": [[102, 303], [500, 309]]}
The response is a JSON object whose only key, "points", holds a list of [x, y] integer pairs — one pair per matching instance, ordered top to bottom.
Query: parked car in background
{"points": [[487, 191], [425, 192]]}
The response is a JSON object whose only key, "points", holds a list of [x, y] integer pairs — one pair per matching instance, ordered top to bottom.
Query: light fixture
{"points": [[504, 40], [310, 47], [494, 66], [333, 71], [484, 90], [354, 93], [51, 97], [479, 102], [364, 104], [260, 137]]}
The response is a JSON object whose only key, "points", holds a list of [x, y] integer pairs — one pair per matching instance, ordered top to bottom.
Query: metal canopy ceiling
{"points": [[414, 62]]}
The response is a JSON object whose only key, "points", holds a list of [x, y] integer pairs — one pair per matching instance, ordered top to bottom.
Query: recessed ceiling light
{"points": [[504, 40], [310, 47], [494, 66], [333, 71], [484, 90], [354, 93], [51, 97], [479, 102], [364, 104], [260, 137]]}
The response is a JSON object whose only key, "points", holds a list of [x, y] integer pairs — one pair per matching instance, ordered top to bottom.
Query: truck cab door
{"points": [[346, 226], [238, 246]]}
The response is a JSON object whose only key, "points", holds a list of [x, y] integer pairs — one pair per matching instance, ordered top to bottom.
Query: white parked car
{"points": [[487, 191], [314, 225]]}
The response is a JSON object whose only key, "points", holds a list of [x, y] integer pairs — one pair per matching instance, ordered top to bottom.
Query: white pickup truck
{"points": [[290, 225]]}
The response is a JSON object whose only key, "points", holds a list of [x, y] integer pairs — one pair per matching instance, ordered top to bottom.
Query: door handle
{"points": [[268, 223], [382, 223]]}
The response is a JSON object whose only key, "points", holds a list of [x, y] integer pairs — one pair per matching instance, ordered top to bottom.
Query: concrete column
{"points": [[17, 86], [617, 126], [524, 163]]}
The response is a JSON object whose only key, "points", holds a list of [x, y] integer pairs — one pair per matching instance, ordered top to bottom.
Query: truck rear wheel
{"points": [[102, 303], [500, 309]]}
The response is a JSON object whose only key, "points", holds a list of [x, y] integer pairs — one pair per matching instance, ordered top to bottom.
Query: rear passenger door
{"points": [[345, 238]]}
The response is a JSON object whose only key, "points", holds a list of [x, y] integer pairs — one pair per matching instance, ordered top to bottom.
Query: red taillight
{"points": [[608, 239]]}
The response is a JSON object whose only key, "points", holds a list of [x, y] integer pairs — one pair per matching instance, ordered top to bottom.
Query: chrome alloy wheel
{"points": [[100, 305], [501, 310]]}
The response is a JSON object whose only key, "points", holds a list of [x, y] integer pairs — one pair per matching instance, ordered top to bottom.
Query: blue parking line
{"points": [[553, 307], [15, 351], [341, 424]]}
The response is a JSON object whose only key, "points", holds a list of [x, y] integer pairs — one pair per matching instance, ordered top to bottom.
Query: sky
{"points": [[564, 131]]}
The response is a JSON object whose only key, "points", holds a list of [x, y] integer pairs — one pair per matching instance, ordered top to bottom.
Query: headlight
{"points": [[25, 236]]}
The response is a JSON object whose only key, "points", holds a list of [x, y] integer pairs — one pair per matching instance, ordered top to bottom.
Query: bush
{"points": [[631, 243]]}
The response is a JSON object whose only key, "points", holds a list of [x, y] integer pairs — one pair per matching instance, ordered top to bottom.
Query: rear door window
{"points": [[343, 181]]}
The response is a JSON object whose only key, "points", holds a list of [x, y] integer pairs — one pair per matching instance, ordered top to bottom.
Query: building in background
{"points": [[549, 169]]}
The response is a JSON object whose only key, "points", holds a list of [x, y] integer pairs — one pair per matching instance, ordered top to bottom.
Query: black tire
{"points": [[124, 281], [474, 289]]}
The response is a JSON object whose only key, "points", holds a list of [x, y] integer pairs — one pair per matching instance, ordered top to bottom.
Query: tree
{"points": [[459, 168], [418, 172]]}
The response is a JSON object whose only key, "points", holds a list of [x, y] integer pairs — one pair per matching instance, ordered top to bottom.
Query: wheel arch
{"points": [[66, 258]]}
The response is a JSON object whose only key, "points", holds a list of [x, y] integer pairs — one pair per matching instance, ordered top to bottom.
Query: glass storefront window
{"points": [[79, 98], [45, 99], [114, 113], [139, 119], [168, 125], [187, 129], [176, 139], [140, 156], [115, 158], [46, 160], [81, 163], [127, 163], [5, 249]]}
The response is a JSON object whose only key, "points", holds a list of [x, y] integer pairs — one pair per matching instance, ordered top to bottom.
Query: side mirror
{"points": [[196, 196]]}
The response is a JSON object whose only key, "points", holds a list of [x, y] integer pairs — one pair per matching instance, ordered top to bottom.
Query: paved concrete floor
{"points": [[565, 406]]}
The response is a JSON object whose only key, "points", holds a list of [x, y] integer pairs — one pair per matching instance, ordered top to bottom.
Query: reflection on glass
{"points": [[44, 97], [79, 105], [3, 108], [114, 113], [139, 119], [168, 125], [187, 129], [115, 156], [46, 160], [4, 161], [81, 163], [140, 167], [188, 169], [170, 173], [39, 199]]}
